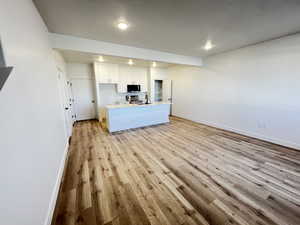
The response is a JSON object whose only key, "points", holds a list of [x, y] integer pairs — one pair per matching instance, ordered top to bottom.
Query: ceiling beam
{"points": [[67, 42]]}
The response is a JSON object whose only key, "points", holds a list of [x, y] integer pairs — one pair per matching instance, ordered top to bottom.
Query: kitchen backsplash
{"points": [[108, 95]]}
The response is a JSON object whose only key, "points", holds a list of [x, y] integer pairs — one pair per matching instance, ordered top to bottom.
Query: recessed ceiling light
{"points": [[123, 25], [208, 45], [100, 58], [130, 62], [154, 64]]}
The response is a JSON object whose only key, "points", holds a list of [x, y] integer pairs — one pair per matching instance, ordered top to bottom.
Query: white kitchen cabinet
{"points": [[106, 73], [125, 73], [122, 75], [132, 75], [135, 76], [143, 81]]}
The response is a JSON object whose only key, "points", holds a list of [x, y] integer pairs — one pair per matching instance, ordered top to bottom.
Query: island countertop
{"points": [[118, 106], [128, 116]]}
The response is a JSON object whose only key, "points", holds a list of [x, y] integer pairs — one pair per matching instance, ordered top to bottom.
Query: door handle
{"points": [[93, 101]]}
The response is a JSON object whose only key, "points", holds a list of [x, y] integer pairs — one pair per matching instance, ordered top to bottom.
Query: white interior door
{"points": [[167, 92], [84, 99], [71, 101], [65, 103]]}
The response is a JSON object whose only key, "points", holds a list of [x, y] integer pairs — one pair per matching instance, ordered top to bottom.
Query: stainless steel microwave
{"points": [[133, 88]]}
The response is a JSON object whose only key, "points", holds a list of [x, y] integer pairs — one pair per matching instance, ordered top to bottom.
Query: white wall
{"points": [[60, 61], [79, 70], [253, 91], [108, 94], [31, 122]]}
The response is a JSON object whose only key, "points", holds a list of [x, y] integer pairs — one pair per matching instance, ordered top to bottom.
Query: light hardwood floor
{"points": [[178, 173]]}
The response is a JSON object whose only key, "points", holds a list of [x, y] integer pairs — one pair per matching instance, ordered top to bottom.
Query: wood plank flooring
{"points": [[179, 173]]}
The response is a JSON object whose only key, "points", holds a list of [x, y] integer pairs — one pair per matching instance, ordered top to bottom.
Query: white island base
{"points": [[127, 116]]}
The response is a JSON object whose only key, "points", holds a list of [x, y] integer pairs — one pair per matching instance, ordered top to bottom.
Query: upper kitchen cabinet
{"points": [[106, 73], [122, 75], [132, 75], [125, 78], [142, 79]]}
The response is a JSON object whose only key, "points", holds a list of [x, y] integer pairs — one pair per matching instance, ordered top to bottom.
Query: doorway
{"points": [[158, 90], [163, 91], [84, 98], [66, 102]]}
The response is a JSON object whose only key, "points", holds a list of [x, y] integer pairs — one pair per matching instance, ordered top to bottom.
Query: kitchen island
{"points": [[127, 116]]}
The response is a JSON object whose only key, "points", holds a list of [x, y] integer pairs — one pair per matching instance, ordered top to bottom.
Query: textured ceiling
{"points": [[175, 26]]}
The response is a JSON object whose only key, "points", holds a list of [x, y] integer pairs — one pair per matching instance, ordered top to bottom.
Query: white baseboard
{"points": [[249, 134], [56, 187]]}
